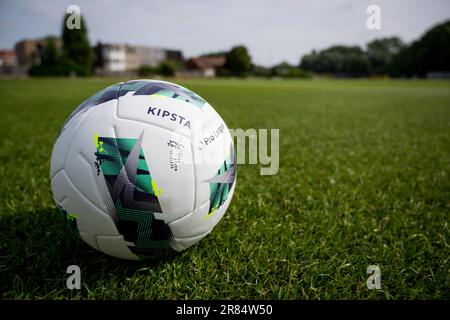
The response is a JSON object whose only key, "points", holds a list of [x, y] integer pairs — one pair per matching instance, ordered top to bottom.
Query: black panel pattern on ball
{"points": [[168, 90], [108, 94], [134, 194]]}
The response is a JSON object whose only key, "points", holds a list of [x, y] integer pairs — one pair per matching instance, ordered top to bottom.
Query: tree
{"points": [[435, 49], [77, 52], [381, 53], [429, 53], [214, 54], [50, 55], [50, 60], [238, 61], [308, 61], [347, 61], [404, 63], [168, 68], [282, 70], [286, 70], [144, 71], [261, 71]]}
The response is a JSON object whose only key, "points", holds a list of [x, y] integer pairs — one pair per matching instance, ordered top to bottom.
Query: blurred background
{"points": [[293, 39]]}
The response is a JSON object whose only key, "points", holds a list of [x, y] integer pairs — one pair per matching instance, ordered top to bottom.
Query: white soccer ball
{"points": [[143, 167]]}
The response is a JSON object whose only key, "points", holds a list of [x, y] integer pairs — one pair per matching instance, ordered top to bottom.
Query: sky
{"points": [[273, 31]]}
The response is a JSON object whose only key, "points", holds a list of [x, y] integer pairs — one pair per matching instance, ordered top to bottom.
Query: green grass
{"points": [[364, 179]]}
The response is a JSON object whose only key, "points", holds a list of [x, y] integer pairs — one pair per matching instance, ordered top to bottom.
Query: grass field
{"points": [[364, 180]]}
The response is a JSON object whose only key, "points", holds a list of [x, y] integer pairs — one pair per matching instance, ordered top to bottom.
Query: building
{"points": [[29, 51], [175, 55], [137, 56], [111, 57], [150, 57], [8, 58], [119, 58], [131, 58], [8, 62], [207, 66]]}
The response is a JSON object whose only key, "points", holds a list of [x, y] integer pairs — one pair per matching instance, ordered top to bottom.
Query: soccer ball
{"points": [[142, 168]]}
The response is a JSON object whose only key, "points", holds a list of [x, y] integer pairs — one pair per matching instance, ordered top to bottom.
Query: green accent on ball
{"points": [[134, 194]]}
